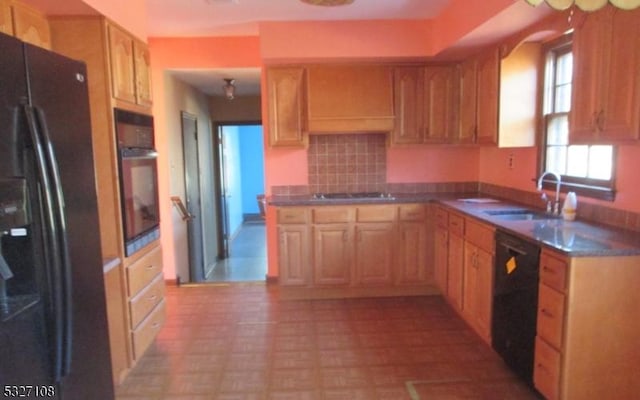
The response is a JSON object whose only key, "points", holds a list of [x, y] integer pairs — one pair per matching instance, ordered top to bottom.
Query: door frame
{"points": [[223, 242]]}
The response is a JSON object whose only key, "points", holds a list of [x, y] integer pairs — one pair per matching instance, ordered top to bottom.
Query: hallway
{"points": [[247, 261], [242, 341]]}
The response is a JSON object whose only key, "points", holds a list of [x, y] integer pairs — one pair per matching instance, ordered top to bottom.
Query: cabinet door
{"points": [[6, 21], [30, 26], [589, 41], [122, 65], [142, 74], [488, 89], [286, 91], [350, 98], [408, 98], [439, 104], [468, 111], [621, 119], [332, 245], [374, 253], [293, 254], [441, 258], [413, 266], [455, 270], [469, 283], [484, 293], [118, 325]]}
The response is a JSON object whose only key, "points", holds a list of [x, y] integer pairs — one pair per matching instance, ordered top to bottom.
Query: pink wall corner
{"points": [[130, 14], [461, 17], [315, 41], [205, 52], [432, 164]]}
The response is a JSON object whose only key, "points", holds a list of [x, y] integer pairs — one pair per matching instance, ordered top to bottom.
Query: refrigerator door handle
{"points": [[56, 240]]}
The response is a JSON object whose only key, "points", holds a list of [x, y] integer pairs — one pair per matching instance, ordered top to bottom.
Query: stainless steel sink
{"points": [[518, 214]]}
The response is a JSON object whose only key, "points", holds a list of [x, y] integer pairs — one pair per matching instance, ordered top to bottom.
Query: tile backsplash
{"points": [[347, 163]]}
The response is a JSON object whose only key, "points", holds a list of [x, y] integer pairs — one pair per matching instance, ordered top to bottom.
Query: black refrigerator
{"points": [[54, 339]]}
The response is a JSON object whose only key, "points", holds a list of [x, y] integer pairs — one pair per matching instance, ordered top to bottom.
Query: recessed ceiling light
{"points": [[328, 3]]}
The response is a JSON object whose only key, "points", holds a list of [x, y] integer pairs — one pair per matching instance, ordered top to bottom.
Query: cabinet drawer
{"points": [[412, 212], [382, 213], [292, 215], [329, 215], [442, 218], [456, 224], [480, 235], [553, 271], [140, 273], [146, 300], [550, 315], [144, 334], [546, 370]]}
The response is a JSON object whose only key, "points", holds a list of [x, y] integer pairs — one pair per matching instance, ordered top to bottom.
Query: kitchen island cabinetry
{"points": [[606, 78], [286, 88], [363, 102], [587, 343]]}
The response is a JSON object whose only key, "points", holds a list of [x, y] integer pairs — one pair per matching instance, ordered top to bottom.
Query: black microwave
{"points": [[138, 179]]}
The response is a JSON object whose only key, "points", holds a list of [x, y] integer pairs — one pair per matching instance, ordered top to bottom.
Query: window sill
{"points": [[594, 192]]}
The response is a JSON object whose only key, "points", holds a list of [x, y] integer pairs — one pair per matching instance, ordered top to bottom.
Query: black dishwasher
{"points": [[515, 302]]}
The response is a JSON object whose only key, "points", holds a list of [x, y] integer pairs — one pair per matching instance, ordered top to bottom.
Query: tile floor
{"points": [[247, 256], [242, 341]]}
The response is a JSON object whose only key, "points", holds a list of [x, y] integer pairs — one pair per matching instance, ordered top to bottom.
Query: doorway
{"points": [[240, 161]]}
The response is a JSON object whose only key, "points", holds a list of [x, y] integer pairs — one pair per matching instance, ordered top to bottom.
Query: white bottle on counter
{"points": [[570, 206]]}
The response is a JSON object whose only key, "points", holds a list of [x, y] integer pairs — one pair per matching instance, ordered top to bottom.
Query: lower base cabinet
{"points": [[355, 246]]}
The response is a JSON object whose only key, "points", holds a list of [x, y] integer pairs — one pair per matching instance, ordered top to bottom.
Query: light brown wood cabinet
{"points": [[6, 20], [25, 23], [130, 67], [606, 78], [488, 82], [286, 88], [350, 98], [425, 104], [468, 128], [293, 245], [355, 246], [414, 252], [465, 261], [478, 277], [145, 288], [117, 319], [587, 343]]}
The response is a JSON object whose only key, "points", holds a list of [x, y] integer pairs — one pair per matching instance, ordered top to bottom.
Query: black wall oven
{"points": [[138, 179]]}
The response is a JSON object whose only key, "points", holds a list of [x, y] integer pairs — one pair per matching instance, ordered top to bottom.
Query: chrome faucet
{"points": [[556, 206]]}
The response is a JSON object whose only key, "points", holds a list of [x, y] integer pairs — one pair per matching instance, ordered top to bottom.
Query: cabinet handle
{"points": [[600, 121], [150, 267], [548, 270], [547, 313]]}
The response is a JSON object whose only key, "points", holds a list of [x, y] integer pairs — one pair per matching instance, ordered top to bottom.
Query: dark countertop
{"points": [[574, 238]]}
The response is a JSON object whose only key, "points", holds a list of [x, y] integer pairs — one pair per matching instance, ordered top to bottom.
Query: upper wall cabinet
{"points": [[6, 21], [25, 23], [130, 69], [606, 80], [468, 89], [487, 97], [350, 98], [287, 104], [425, 104]]}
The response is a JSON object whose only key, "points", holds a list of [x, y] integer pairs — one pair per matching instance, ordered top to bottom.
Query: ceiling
{"points": [[188, 18]]}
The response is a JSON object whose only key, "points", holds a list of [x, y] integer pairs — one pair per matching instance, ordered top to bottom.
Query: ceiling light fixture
{"points": [[328, 3], [587, 5], [229, 88]]}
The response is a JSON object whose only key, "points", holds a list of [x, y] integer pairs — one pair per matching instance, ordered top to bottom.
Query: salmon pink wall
{"points": [[130, 14], [322, 40], [205, 52], [432, 164], [493, 166]]}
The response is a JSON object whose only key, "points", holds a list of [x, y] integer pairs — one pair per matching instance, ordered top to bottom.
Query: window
{"points": [[586, 169]]}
